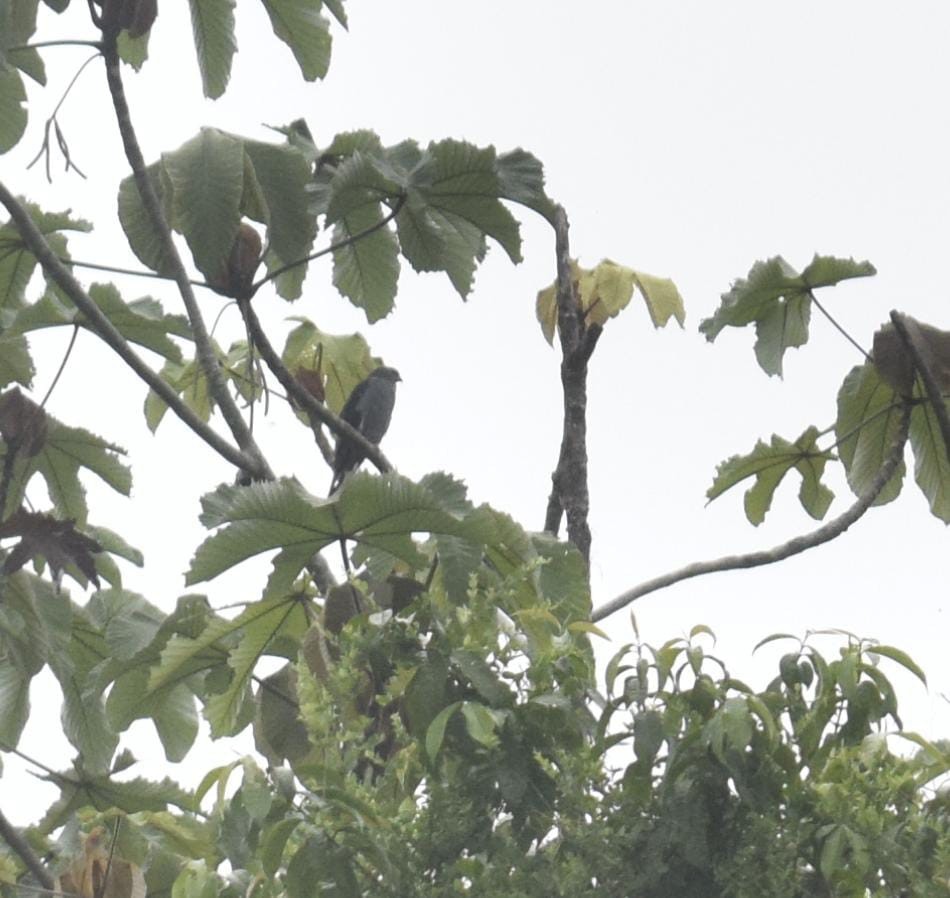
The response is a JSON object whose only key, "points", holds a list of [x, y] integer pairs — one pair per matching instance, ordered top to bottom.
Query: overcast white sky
{"points": [[686, 139]]}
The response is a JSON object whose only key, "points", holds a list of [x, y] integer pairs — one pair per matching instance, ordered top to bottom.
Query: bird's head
{"points": [[385, 373]]}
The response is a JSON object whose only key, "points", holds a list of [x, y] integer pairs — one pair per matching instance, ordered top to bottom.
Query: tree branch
{"points": [[104, 328], [909, 332], [203, 348], [301, 395], [569, 493], [794, 546], [21, 847]]}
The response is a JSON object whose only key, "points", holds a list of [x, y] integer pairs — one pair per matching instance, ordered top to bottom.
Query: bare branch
{"points": [[104, 328], [909, 332], [203, 347], [302, 396], [569, 493], [794, 546], [21, 847]]}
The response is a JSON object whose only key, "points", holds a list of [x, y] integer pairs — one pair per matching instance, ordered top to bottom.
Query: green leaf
{"points": [[212, 22], [298, 24], [17, 27], [133, 50], [13, 114], [283, 174], [207, 179], [521, 180], [462, 181], [144, 238], [433, 241], [17, 263], [366, 270], [778, 299], [141, 321], [340, 360], [16, 365], [868, 421], [65, 451], [931, 462], [769, 463], [262, 623], [255, 628], [901, 657], [483, 678], [14, 702], [480, 723], [435, 734]]}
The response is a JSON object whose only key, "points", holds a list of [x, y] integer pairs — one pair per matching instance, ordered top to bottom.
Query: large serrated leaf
{"points": [[212, 23], [298, 24], [13, 114], [283, 173], [207, 179], [463, 181], [144, 238], [366, 270], [778, 300], [141, 321], [340, 361], [868, 421], [66, 450], [768, 464], [931, 464], [262, 623]]}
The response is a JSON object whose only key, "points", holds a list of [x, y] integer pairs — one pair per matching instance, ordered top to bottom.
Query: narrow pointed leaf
{"points": [[212, 22], [298, 24]]}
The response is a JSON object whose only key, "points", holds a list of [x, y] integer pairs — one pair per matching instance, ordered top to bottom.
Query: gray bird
{"points": [[368, 409]]}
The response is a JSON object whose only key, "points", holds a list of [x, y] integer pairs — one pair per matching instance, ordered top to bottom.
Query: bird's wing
{"points": [[353, 410]]}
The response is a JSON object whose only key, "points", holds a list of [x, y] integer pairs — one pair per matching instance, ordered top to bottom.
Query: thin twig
{"points": [[40, 45], [44, 147], [353, 238], [134, 272], [838, 327], [105, 329], [909, 332], [203, 347], [62, 366], [794, 546], [26, 854]]}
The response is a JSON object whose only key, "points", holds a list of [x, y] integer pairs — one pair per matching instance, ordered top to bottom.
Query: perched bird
{"points": [[368, 409]]}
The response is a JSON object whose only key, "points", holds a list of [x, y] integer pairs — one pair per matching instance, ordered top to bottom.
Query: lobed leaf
{"points": [[778, 300], [868, 420], [768, 464]]}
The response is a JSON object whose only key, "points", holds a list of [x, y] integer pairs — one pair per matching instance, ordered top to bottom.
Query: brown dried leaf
{"points": [[238, 277], [894, 363], [22, 423], [56, 541], [94, 875]]}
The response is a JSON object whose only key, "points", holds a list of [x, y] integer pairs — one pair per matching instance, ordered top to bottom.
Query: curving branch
{"points": [[104, 328], [909, 332], [203, 347], [301, 395], [569, 492], [794, 546], [10, 835]]}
